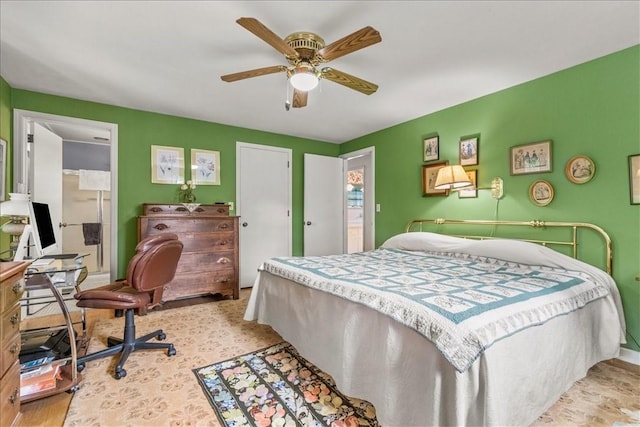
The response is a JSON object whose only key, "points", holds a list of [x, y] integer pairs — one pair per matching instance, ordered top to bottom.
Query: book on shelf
{"points": [[39, 379]]}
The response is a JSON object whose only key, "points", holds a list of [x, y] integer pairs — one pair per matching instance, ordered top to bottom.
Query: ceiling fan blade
{"points": [[257, 28], [355, 41], [253, 73], [352, 82], [300, 98]]}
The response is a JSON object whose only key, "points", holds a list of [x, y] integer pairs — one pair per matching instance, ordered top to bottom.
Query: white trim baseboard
{"points": [[629, 356]]}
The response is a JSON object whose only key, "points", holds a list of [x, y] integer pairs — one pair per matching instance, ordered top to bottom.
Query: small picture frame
{"points": [[431, 148], [468, 149], [529, 158], [167, 165], [205, 167], [580, 169], [429, 175], [634, 179], [470, 192], [541, 192]]}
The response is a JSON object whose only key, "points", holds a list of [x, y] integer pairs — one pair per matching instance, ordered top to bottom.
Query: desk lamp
{"points": [[17, 209]]}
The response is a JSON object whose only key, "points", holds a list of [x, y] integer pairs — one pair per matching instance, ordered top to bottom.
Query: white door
{"points": [[46, 155], [324, 193], [263, 197]]}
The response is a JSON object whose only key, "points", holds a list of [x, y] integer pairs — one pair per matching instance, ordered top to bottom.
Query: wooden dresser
{"points": [[209, 261], [11, 288]]}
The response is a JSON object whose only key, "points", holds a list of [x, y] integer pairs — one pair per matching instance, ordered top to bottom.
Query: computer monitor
{"points": [[44, 238]]}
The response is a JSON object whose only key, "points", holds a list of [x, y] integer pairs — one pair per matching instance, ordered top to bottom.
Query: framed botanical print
{"points": [[167, 165], [205, 167], [429, 175]]}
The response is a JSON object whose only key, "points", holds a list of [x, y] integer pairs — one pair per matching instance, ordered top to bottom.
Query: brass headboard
{"points": [[572, 227]]}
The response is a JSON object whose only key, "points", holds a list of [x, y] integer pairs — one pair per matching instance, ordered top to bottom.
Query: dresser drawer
{"points": [[179, 209], [165, 224], [205, 262], [191, 284], [11, 293], [10, 324], [10, 352], [10, 395]]}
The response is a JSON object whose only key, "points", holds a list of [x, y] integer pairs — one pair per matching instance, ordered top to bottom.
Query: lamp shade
{"points": [[304, 78], [452, 176], [17, 205]]}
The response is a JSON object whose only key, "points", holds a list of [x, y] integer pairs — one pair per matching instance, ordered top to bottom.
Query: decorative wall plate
{"points": [[580, 169], [541, 192]]}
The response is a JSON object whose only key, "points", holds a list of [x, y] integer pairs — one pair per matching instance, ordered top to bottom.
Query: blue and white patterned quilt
{"points": [[461, 303]]}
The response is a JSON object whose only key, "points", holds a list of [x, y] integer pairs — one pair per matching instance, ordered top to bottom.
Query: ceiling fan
{"points": [[305, 51]]}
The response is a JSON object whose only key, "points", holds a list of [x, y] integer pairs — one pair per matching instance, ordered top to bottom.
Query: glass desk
{"points": [[56, 283]]}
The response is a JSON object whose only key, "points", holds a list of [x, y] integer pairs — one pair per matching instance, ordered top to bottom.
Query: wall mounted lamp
{"points": [[454, 177]]}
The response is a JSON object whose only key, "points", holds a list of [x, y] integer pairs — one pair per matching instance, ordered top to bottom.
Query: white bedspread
{"points": [[374, 357]]}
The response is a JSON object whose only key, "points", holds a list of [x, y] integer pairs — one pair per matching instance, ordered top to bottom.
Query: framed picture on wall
{"points": [[431, 148], [468, 149], [530, 158], [167, 165], [205, 167], [580, 169], [429, 174], [634, 179], [471, 192], [541, 192]]}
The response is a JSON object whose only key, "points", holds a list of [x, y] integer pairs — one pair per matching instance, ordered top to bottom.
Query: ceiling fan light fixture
{"points": [[304, 78]]}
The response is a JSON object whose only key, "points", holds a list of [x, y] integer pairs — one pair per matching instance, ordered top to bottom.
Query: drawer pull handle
{"points": [[155, 209], [182, 209], [221, 210], [161, 226], [224, 226], [223, 243], [224, 260], [224, 281], [17, 288], [14, 319], [13, 349], [14, 396]]}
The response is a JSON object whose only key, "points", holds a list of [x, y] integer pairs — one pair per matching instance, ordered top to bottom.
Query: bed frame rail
{"points": [[572, 227]]}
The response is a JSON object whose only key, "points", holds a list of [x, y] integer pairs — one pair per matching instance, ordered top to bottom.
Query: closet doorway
{"points": [[81, 189]]}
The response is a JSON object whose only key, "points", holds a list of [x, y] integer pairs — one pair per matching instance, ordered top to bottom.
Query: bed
{"points": [[460, 329]]}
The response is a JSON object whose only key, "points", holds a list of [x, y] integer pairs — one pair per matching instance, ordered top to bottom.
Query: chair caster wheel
{"points": [[162, 336], [171, 351], [80, 367], [120, 373]]}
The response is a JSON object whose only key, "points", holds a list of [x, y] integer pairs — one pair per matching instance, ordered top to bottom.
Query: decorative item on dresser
{"points": [[209, 261], [11, 288]]}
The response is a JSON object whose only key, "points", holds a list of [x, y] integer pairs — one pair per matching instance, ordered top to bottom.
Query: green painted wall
{"points": [[591, 109], [138, 130], [5, 133]]}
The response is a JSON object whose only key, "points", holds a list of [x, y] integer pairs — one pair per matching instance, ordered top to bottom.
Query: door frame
{"points": [[21, 121], [369, 194]]}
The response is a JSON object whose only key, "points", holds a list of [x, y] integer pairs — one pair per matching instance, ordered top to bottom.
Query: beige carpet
{"points": [[163, 391]]}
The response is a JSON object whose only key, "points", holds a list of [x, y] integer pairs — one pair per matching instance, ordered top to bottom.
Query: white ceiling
{"points": [[168, 56]]}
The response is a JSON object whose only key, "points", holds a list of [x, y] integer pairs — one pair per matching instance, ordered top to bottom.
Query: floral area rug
{"points": [[278, 387]]}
